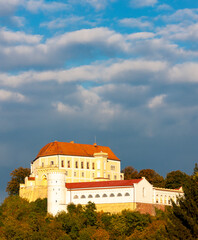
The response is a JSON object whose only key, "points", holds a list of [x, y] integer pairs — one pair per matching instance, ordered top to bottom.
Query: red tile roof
{"points": [[74, 149], [31, 178], [117, 183]]}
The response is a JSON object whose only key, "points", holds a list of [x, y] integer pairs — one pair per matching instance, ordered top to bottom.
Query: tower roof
{"points": [[74, 149]]}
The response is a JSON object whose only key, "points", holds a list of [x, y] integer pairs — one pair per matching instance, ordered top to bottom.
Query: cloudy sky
{"points": [[123, 71]]}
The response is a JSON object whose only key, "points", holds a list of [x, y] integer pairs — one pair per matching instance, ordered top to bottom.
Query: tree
{"points": [[195, 169], [130, 173], [17, 176], [153, 177], [175, 179], [183, 218]]}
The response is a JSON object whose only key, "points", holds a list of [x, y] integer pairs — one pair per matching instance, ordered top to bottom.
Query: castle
{"points": [[78, 173]]}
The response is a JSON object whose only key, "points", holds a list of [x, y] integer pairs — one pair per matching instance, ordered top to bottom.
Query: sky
{"points": [[123, 72]]}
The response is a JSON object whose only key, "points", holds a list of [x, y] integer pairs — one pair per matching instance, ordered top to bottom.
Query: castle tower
{"points": [[56, 200]]}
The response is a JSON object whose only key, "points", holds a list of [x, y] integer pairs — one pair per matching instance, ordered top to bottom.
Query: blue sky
{"points": [[123, 71]]}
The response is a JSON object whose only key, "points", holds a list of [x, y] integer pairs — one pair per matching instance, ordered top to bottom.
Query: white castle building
{"points": [[78, 173]]}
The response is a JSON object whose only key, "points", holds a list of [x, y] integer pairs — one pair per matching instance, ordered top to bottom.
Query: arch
{"points": [[127, 194], [104, 195], [112, 195], [119, 195], [83, 196], [90, 196], [97, 196], [75, 197]]}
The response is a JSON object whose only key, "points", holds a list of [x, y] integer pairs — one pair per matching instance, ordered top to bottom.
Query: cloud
{"points": [[143, 3], [97, 4], [9, 6], [35, 6], [164, 7], [182, 15], [18, 21], [66, 22], [135, 23], [180, 32], [141, 35], [14, 38], [81, 44], [130, 70], [185, 72], [7, 96], [157, 101], [90, 106]]}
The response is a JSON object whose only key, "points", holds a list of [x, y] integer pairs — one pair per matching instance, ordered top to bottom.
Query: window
{"points": [[52, 163], [62, 163], [42, 164], [68, 164], [76, 164], [82, 165], [87, 165], [93, 165], [112, 167], [66, 173], [74, 174], [83, 174], [93, 175], [108, 176], [115, 177], [120, 177], [127, 194], [104, 195], [112, 195], [119, 195], [83, 196], [90, 196], [97, 196], [75, 197], [157, 200]]}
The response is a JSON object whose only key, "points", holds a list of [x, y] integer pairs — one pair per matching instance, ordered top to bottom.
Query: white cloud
{"points": [[143, 3], [97, 4], [40, 5], [9, 6], [164, 7], [182, 15], [18, 21], [65, 22], [135, 23], [180, 32], [141, 35], [10, 37], [79, 44], [106, 71], [185, 72], [7, 96], [157, 101], [89, 106]]}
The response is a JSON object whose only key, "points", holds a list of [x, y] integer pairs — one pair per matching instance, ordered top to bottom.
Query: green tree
{"points": [[130, 173], [17, 176], [153, 177], [175, 179], [90, 214], [183, 218]]}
